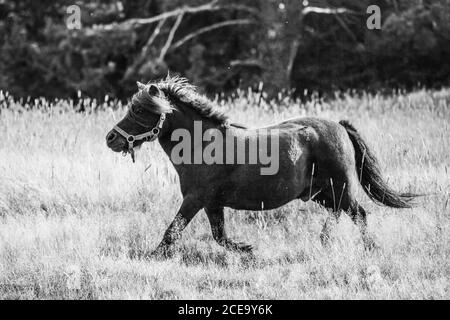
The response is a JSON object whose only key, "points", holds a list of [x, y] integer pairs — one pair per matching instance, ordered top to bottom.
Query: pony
{"points": [[319, 160]]}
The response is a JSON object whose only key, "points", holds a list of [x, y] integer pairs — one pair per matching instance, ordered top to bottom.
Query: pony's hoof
{"points": [[370, 244], [239, 247], [244, 248], [161, 253]]}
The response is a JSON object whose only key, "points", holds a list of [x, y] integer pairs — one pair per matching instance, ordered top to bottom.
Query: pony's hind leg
{"points": [[340, 197], [348, 204], [359, 217], [217, 220], [331, 220]]}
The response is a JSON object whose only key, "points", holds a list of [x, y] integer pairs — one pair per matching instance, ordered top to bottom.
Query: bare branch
{"points": [[211, 6], [206, 7], [240, 7], [308, 10], [214, 26], [346, 28], [170, 37], [152, 38], [144, 52], [292, 55], [252, 63]]}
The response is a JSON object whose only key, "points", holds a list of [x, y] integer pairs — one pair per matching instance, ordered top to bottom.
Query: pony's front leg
{"points": [[187, 211], [217, 220]]}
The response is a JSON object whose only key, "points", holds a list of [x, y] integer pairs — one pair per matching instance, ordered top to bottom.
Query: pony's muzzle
{"points": [[111, 136], [114, 142]]}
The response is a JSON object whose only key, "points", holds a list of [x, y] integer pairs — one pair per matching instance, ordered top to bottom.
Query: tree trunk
{"points": [[280, 42]]}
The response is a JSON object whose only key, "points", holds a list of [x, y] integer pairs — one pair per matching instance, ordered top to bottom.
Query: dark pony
{"points": [[318, 160]]}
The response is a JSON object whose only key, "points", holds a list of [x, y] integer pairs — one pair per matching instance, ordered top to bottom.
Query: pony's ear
{"points": [[140, 85], [153, 90]]}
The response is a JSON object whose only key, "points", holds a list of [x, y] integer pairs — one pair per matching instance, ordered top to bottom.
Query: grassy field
{"points": [[75, 218]]}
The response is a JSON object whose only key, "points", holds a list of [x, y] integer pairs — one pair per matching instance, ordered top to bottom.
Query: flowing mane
{"points": [[179, 89]]}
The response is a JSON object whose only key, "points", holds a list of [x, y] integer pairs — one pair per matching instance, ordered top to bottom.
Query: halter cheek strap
{"points": [[151, 135]]}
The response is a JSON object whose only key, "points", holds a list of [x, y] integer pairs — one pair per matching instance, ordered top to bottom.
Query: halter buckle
{"points": [[155, 131]]}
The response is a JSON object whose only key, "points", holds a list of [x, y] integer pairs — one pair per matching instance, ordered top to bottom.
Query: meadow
{"points": [[76, 219]]}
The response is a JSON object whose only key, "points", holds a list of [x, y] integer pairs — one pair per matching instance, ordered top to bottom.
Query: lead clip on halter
{"points": [[130, 140]]}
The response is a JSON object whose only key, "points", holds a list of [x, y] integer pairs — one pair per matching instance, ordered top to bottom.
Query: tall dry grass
{"points": [[76, 218]]}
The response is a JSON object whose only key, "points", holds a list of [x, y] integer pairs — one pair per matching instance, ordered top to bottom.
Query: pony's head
{"points": [[144, 120]]}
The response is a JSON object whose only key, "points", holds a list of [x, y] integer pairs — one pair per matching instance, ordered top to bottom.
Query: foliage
{"points": [[283, 47]]}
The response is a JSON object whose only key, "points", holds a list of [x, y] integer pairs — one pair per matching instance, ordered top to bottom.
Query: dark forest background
{"points": [[302, 46]]}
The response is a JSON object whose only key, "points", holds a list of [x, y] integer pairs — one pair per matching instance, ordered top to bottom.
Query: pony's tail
{"points": [[369, 174]]}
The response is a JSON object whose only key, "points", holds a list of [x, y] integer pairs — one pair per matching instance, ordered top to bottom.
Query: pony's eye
{"points": [[138, 110]]}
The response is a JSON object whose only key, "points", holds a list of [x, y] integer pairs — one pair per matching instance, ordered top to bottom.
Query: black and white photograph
{"points": [[230, 152]]}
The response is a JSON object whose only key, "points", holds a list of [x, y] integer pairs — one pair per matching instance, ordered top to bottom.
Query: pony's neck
{"points": [[187, 118]]}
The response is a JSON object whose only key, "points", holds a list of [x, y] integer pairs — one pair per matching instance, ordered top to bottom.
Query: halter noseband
{"points": [[151, 135]]}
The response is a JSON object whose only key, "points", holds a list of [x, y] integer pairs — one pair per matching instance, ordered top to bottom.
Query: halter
{"points": [[150, 136]]}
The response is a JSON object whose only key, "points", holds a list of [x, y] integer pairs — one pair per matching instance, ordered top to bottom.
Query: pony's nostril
{"points": [[111, 136]]}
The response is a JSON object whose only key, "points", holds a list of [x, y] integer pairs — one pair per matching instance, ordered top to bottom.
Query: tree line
{"points": [[301, 46]]}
